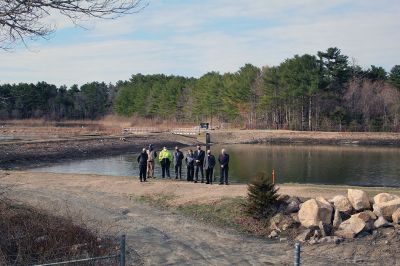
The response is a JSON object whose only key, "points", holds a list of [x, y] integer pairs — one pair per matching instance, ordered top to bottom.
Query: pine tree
{"points": [[261, 198]]}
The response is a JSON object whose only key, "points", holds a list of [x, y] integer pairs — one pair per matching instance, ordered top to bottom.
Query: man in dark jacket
{"points": [[199, 155], [178, 157], [142, 160], [223, 160], [209, 163], [190, 165]]}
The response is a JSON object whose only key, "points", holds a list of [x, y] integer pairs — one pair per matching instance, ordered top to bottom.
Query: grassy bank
{"points": [[227, 212]]}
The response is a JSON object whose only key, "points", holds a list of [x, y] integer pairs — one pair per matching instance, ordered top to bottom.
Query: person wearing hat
{"points": [[199, 155], [151, 157], [178, 157], [165, 159], [142, 161], [209, 163]]}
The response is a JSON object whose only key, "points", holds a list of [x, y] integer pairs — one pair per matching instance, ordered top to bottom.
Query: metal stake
{"points": [[122, 250], [297, 254]]}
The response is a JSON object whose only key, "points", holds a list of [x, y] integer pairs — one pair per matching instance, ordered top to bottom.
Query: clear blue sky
{"points": [[191, 37]]}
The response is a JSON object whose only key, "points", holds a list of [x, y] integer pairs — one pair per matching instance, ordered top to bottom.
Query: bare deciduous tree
{"points": [[26, 19]]}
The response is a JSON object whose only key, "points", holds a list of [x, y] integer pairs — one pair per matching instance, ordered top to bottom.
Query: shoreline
{"points": [[21, 154], [25, 154], [178, 192]]}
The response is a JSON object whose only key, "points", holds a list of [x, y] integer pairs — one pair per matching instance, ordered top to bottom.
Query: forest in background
{"points": [[323, 92]]}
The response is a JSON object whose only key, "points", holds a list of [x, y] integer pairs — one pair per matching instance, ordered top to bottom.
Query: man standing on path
{"points": [[152, 155], [178, 157], [142, 160], [165, 160], [223, 160], [199, 161], [209, 163], [190, 165]]}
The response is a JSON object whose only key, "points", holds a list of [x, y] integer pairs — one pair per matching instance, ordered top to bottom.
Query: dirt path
{"points": [[162, 237]]}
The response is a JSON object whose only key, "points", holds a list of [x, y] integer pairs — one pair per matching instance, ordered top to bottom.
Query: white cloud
{"points": [[189, 39]]}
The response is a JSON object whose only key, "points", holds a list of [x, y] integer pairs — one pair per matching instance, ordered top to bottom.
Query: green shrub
{"points": [[261, 197]]}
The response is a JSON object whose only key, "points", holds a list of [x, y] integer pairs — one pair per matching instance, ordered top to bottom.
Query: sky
{"points": [[193, 37]]}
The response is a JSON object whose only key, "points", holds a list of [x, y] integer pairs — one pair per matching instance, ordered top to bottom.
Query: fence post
{"points": [[273, 176], [122, 251], [297, 254]]}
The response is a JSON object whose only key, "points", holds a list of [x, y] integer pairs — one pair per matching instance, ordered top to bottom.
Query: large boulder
{"points": [[384, 197], [358, 199], [342, 204], [293, 205], [386, 209], [314, 211], [396, 216], [368, 217], [381, 222], [354, 224]]}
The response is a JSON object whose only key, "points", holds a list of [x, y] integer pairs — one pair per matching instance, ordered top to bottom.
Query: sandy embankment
{"points": [[305, 137], [182, 192]]}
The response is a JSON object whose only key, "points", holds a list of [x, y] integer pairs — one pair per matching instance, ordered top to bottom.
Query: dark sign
{"points": [[204, 125]]}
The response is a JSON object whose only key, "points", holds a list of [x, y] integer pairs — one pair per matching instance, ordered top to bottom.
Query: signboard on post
{"points": [[204, 125]]}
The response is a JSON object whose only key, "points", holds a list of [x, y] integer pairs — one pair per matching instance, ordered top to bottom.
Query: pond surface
{"points": [[363, 166]]}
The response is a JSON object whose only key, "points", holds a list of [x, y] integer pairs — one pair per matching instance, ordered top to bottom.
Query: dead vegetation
{"points": [[30, 236]]}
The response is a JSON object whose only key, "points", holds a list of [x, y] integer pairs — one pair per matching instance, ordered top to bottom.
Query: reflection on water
{"points": [[367, 166]]}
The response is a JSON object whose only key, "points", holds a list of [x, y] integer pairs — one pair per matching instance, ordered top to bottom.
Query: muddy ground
{"points": [[305, 137], [34, 146], [22, 154], [163, 237]]}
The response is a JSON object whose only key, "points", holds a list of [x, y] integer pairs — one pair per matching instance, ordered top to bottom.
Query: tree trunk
{"points": [[309, 113], [302, 117]]}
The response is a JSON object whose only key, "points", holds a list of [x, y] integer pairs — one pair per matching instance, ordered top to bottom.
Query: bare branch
{"points": [[22, 19]]}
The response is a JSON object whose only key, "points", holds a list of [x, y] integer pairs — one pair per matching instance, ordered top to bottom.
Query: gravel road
{"points": [[162, 237]]}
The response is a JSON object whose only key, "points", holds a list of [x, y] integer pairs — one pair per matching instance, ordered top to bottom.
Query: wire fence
{"points": [[63, 256], [319, 257], [119, 258]]}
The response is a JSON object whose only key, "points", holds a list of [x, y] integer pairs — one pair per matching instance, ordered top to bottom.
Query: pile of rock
{"points": [[319, 220]]}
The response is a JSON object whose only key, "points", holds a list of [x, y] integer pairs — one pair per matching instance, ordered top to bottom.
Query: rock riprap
{"points": [[358, 199], [314, 211]]}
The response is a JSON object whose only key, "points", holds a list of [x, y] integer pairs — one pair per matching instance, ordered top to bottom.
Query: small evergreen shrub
{"points": [[262, 197]]}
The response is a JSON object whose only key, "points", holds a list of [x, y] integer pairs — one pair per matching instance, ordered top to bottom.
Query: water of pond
{"points": [[364, 166]]}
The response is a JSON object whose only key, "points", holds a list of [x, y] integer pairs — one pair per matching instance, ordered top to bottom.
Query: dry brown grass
{"points": [[111, 124], [30, 236]]}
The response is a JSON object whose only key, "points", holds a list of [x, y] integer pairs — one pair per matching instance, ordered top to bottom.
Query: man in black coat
{"points": [[199, 155], [178, 157], [142, 160], [223, 160], [209, 163], [190, 165]]}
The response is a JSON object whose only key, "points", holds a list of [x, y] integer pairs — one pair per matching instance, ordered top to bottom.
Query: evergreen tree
{"points": [[394, 76], [262, 197]]}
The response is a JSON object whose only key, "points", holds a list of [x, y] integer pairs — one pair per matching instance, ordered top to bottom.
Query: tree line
{"points": [[325, 91]]}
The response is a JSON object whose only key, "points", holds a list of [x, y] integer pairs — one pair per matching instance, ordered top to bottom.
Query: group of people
{"points": [[195, 162]]}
